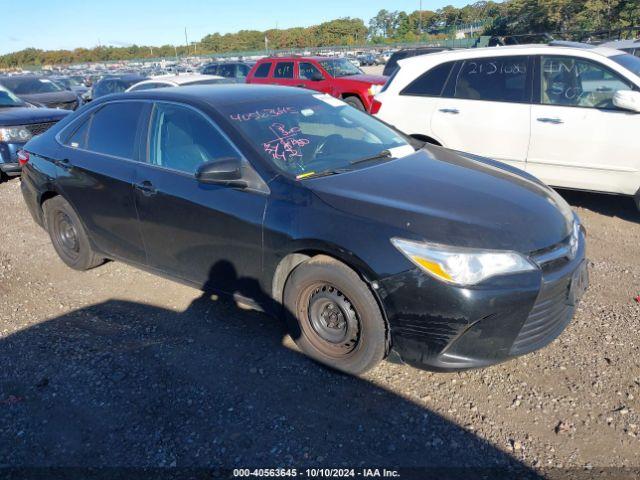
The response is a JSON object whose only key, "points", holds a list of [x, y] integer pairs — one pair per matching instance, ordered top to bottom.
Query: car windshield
{"points": [[630, 62], [340, 67], [26, 86], [8, 99], [309, 135]]}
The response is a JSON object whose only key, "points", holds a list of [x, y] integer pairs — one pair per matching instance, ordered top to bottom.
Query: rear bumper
{"points": [[31, 199], [440, 327]]}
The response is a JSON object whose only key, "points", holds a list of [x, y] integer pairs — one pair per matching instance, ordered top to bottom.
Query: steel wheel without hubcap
{"points": [[66, 235], [335, 328]]}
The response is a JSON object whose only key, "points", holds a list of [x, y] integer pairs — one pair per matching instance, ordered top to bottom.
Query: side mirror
{"points": [[317, 77], [627, 100], [222, 171]]}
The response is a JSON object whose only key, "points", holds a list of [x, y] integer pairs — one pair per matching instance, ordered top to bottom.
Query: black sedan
{"points": [[41, 92], [299, 205]]}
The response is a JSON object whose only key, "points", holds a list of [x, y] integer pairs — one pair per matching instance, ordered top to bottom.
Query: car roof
{"points": [[621, 44], [525, 49], [317, 58], [230, 62], [20, 77], [125, 77], [182, 79], [215, 95]]}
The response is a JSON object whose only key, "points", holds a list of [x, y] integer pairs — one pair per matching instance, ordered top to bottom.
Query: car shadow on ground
{"points": [[610, 205], [127, 384]]}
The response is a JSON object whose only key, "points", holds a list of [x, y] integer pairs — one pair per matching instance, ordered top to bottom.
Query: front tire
{"points": [[355, 103], [68, 236], [334, 317]]}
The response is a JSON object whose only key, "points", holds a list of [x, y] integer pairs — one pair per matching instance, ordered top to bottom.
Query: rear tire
{"points": [[355, 103], [69, 238], [333, 316]]}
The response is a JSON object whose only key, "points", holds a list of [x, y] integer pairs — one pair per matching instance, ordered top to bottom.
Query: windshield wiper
{"points": [[383, 155], [324, 173]]}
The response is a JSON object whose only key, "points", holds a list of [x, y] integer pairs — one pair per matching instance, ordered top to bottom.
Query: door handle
{"points": [[453, 111], [554, 121], [64, 163], [146, 188]]}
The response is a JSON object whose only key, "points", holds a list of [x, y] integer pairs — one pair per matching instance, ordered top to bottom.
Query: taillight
{"points": [[375, 106], [23, 157]]}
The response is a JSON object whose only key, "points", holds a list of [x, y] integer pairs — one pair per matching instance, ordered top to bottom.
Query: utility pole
{"points": [[420, 24]]}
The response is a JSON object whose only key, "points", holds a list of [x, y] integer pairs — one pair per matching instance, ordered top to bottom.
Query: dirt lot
{"points": [[115, 367]]}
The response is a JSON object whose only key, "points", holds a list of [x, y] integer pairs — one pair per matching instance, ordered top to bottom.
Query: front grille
{"points": [[72, 105], [39, 128], [554, 257], [548, 318]]}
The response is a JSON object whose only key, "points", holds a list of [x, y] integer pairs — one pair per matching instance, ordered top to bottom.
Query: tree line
{"points": [[508, 17]]}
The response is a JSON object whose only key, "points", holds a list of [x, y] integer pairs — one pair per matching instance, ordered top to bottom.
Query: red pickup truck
{"points": [[336, 76]]}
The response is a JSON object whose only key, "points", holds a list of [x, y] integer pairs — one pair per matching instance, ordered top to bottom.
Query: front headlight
{"points": [[375, 89], [14, 134], [574, 241], [462, 266]]}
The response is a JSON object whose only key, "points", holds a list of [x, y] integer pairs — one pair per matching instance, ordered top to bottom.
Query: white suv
{"points": [[569, 115]]}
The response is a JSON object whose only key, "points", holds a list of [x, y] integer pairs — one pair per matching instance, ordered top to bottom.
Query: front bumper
{"points": [[9, 158], [10, 169], [435, 326]]}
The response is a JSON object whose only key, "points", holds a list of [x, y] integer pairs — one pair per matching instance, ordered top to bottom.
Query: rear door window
{"points": [[210, 70], [227, 70], [263, 70], [283, 70], [495, 79], [430, 83], [114, 128], [78, 138]]}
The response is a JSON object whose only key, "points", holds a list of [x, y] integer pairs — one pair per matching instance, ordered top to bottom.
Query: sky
{"points": [[69, 24]]}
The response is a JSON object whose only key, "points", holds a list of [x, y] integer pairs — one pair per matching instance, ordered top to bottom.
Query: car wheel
{"points": [[355, 103], [68, 236], [333, 316]]}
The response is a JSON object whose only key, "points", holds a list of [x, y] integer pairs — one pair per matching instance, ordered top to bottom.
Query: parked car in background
{"points": [[524, 39], [631, 47], [368, 60], [392, 63], [236, 71], [334, 76], [177, 81], [71, 84], [114, 84], [41, 92], [569, 116], [18, 124], [365, 242]]}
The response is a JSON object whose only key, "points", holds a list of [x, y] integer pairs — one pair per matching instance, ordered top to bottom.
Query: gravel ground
{"points": [[116, 367]]}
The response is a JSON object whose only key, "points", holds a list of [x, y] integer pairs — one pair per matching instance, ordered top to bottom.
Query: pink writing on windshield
{"points": [[260, 114], [287, 146]]}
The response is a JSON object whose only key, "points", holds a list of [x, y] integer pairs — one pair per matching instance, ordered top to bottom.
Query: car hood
{"points": [[372, 79], [50, 97], [24, 115], [444, 197]]}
